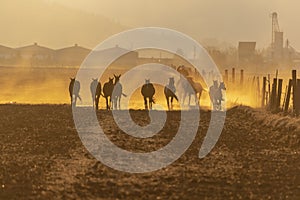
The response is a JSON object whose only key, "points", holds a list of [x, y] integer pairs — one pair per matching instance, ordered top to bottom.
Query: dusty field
{"points": [[42, 157]]}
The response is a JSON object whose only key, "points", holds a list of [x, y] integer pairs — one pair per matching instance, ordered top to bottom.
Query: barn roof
{"points": [[76, 47], [5, 48], [34, 48]]}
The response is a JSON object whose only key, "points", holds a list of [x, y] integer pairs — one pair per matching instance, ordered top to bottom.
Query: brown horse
{"points": [[108, 88], [193, 88], [148, 92]]}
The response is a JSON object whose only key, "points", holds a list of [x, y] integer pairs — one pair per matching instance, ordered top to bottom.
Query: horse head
{"points": [[183, 70], [117, 78], [72, 79], [111, 80], [171, 81], [215, 84], [222, 86]]}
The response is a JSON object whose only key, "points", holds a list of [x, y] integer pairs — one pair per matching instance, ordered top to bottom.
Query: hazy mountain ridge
{"points": [[52, 24]]}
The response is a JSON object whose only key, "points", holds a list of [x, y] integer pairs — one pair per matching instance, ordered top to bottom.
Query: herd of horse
{"points": [[112, 91]]}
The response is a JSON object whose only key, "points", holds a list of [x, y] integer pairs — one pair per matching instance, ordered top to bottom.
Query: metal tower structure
{"points": [[275, 27]]}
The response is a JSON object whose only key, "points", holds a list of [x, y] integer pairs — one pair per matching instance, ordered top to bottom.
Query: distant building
{"points": [[36, 51], [7, 53], [277, 53], [36, 55], [71, 56], [128, 58]]}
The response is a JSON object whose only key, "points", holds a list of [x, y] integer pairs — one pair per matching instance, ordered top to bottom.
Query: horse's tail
{"points": [[124, 95], [175, 96], [79, 97], [152, 100]]}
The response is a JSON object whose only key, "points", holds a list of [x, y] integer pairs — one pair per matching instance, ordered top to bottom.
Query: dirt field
{"points": [[42, 157]]}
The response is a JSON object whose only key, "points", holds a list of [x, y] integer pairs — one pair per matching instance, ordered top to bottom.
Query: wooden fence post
{"points": [[233, 75], [226, 76], [242, 77], [294, 81], [253, 82], [269, 87], [258, 90], [279, 94], [273, 95], [288, 96], [297, 97], [284, 98], [263, 100]]}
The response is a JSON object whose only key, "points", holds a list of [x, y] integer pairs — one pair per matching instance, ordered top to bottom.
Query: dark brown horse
{"points": [[74, 88], [108, 88], [148, 92], [169, 92]]}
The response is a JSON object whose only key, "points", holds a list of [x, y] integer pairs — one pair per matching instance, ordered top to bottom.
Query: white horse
{"points": [[74, 88], [95, 88], [117, 93]]}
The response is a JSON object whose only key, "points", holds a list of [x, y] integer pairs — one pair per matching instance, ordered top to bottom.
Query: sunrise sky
{"points": [[59, 23]]}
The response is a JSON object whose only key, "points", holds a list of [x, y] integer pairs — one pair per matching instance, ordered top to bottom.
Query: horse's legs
{"points": [[71, 96], [199, 97], [167, 98], [183, 98], [93, 99], [106, 99], [116, 99], [189, 99], [75, 100], [111, 101], [97, 102], [150, 102], [172, 102], [120, 103], [145, 103], [215, 104], [219, 104]]}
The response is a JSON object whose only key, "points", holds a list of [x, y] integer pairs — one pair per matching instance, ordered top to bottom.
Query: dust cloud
{"points": [[50, 86]]}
